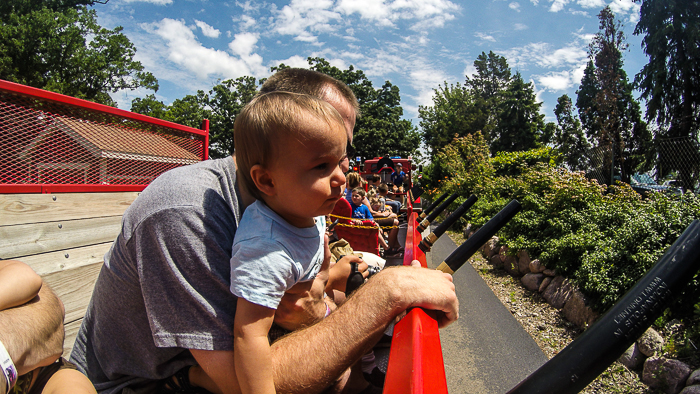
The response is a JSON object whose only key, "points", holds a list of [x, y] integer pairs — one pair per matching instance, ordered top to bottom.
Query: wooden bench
{"points": [[63, 237]]}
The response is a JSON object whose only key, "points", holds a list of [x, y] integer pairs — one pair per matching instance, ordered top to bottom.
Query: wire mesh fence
{"points": [[49, 139], [674, 166]]}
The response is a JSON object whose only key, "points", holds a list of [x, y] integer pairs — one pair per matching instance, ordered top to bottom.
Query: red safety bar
{"points": [[52, 143], [415, 362]]}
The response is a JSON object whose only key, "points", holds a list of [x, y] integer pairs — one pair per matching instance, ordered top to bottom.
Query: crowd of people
{"points": [[184, 300]]}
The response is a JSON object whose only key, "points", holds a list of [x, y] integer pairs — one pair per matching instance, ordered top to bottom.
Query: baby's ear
{"points": [[262, 179]]}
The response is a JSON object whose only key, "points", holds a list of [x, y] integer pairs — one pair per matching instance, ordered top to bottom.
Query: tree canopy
{"points": [[57, 45]]}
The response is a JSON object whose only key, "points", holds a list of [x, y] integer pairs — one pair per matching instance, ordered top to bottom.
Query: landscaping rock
{"points": [[491, 248], [496, 261], [523, 262], [510, 265], [536, 267], [549, 272], [547, 280], [532, 281], [558, 292], [577, 311], [650, 342], [632, 358], [665, 374], [694, 378], [691, 390]]}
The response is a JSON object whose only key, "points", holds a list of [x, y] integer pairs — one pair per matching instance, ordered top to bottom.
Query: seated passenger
{"points": [[360, 212], [31, 338]]}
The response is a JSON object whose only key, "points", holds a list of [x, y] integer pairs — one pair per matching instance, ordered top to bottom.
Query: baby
{"points": [[288, 151]]}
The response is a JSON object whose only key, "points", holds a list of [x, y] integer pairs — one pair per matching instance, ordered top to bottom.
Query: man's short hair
{"points": [[313, 83], [269, 116], [376, 178], [383, 188]]}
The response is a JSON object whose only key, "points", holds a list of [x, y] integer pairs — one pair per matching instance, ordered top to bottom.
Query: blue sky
{"points": [[416, 44]]}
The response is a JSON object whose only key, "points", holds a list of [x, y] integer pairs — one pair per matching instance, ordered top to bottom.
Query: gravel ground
{"points": [[548, 328]]}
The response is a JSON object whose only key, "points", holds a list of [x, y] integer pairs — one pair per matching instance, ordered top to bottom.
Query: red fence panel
{"points": [[50, 143], [415, 362]]}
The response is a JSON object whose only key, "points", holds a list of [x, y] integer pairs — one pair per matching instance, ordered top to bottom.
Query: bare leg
{"points": [[68, 381]]}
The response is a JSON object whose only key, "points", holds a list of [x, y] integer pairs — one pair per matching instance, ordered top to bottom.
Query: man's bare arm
{"points": [[33, 333]]}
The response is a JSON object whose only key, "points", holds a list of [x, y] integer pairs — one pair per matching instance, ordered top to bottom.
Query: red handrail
{"points": [[415, 362]]}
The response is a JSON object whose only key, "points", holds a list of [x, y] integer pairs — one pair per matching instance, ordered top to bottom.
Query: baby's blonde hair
{"points": [[265, 119], [353, 180]]}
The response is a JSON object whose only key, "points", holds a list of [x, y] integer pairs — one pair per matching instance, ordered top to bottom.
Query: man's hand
{"points": [[303, 304]]}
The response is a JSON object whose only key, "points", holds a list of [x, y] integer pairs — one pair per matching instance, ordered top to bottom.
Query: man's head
{"points": [[314, 83], [288, 147], [399, 167], [383, 189]]}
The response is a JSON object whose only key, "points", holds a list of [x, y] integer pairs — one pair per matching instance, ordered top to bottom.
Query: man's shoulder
{"points": [[205, 186]]}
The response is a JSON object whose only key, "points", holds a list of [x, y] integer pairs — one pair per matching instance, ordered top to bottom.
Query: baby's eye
{"points": [[321, 166]]}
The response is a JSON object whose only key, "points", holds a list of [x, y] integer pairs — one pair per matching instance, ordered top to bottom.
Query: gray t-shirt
{"points": [[270, 255], [164, 286]]}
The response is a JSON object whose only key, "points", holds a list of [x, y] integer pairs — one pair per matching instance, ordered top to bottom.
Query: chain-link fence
{"points": [[50, 139], [674, 166]]}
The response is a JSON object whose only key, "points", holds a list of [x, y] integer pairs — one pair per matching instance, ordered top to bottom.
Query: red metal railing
{"points": [[54, 143], [415, 362]]}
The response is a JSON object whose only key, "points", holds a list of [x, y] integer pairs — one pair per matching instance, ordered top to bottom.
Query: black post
{"points": [[431, 206], [426, 222], [428, 241], [471, 245], [590, 354]]}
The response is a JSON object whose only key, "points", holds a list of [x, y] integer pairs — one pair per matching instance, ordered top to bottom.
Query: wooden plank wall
{"points": [[63, 237]]}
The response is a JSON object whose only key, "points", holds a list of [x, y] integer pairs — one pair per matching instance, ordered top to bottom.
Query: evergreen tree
{"points": [[57, 45], [492, 78], [670, 82], [606, 105], [520, 126], [569, 138]]}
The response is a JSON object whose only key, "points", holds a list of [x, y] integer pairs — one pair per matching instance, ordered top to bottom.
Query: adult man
{"points": [[398, 175], [162, 302]]}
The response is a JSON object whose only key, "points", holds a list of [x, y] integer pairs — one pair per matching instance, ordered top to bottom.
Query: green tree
{"points": [[58, 46], [492, 78], [670, 82], [225, 102], [606, 103], [149, 106], [190, 110], [452, 114], [520, 126], [379, 131], [569, 138]]}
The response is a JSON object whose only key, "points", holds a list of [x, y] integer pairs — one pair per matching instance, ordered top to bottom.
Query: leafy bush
{"points": [[602, 238]]}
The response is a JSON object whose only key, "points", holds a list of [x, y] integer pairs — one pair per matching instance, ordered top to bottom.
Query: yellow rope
{"points": [[357, 226]]}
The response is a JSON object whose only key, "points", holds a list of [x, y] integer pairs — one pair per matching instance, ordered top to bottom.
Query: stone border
{"points": [[669, 375]]}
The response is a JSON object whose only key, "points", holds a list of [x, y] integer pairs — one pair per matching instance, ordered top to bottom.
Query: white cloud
{"points": [[157, 2], [535, 2], [591, 3], [557, 5], [514, 6], [621, 7], [429, 13], [301, 18], [245, 22], [520, 26], [207, 30], [484, 37], [543, 55], [191, 57], [294, 61], [469, 71], [556, 81]]}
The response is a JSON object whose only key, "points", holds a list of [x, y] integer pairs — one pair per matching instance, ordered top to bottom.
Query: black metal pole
{"points": [[431, 206], [426, 222], [428, 241], [471, 245], [590, 354]]}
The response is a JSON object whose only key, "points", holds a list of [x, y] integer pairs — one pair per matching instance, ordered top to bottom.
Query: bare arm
{"points": [[19, 284], [33, 333], [251, 349]]}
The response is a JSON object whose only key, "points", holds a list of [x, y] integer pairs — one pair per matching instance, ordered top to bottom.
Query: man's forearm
{"points": [[33, 333], [310, 360]]}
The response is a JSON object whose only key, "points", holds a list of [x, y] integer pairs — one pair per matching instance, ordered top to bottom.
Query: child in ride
{"points": [[288, 151], [361, 212]]}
